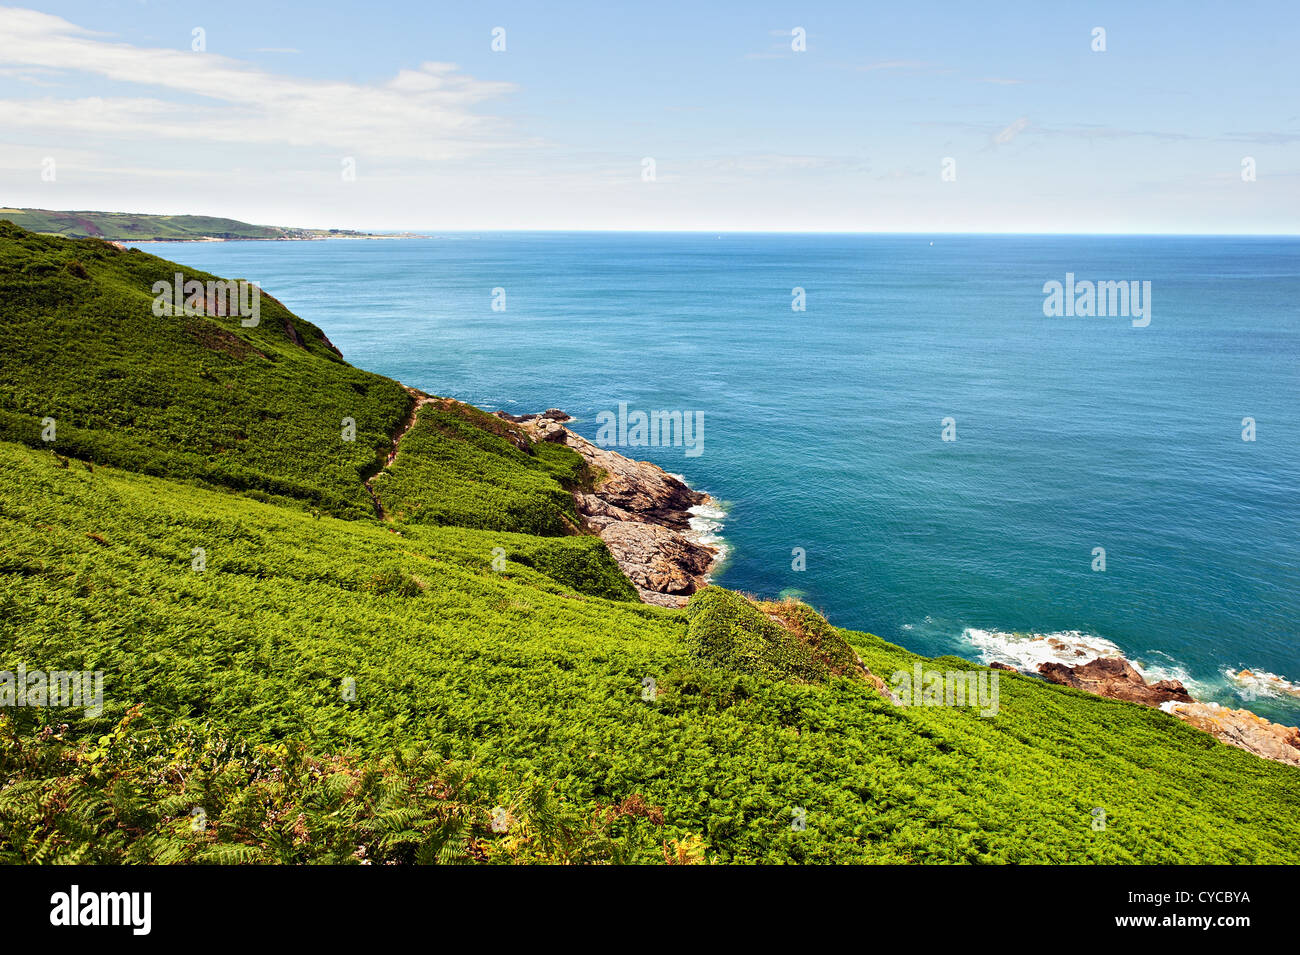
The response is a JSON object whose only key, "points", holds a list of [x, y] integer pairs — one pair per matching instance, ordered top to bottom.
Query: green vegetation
{"points": [[138, 227], [259, 408], [463, 467], [582, 563], [729, 631], [826, 643], [326, 686], [193, 797]]}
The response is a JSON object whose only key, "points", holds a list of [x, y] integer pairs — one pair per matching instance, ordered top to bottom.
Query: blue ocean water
{"points": [[823, 427]]}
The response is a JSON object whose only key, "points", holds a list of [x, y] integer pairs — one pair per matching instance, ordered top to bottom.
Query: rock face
{"points": [[639, 490], [642, 514], [657, 559], [1115, 678], [1243, 729]]}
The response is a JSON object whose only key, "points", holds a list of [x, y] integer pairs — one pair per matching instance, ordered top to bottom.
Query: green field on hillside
{"points": [[136, 227], [261, 408], [463, 467], [289, 678]]}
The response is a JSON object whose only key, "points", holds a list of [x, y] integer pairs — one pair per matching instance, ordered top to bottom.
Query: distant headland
{"points": [[138, 227]]}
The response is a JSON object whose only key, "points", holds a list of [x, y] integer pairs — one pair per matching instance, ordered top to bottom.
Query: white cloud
{"points": [[424, 113]]}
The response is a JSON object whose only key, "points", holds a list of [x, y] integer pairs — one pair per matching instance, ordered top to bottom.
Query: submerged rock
{"points": [[550, 414]]}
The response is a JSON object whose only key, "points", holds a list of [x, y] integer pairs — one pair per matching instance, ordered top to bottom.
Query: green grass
{"points": [[136, 227], [190, 397], [462, 467], [581, 563], [728, 631], [497, 660], [521, 677]]}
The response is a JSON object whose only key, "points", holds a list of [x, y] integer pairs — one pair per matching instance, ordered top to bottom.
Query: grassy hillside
{"points": [[136, 227], [141, 227], [259, 408], [461, 466], [441, 686]]}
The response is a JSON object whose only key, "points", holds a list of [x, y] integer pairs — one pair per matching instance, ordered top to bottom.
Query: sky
{"points": [[913, 117]]}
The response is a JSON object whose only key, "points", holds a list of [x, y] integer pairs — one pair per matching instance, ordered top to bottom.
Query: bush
{"points": [[583, 563], [728, 631], [192, 796]]}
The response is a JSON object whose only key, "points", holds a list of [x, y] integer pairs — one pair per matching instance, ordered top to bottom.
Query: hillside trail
{"points": [[420, 400]]}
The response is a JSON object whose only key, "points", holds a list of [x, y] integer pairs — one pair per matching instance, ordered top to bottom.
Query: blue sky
{"points": [[850, 134]]}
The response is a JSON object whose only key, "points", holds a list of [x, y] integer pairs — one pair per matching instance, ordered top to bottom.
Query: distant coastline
{"points": [[140, 227], [325, 237]]}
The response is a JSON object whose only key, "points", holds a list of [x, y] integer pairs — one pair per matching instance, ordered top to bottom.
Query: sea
{"points": [[902, 430]]}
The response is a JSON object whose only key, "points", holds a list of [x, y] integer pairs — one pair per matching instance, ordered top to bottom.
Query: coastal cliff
{"points": [[643, 514]]}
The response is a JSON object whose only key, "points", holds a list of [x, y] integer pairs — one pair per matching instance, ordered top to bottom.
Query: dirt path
{"points": [[420, 400]]}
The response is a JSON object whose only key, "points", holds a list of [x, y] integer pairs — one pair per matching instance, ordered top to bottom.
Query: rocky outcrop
{"points": [[641, 491], [640, 511], [657, 560], [1116, 678], [1266, 683], [1241, 728]]}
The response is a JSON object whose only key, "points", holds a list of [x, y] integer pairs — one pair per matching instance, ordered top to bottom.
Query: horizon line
{"points": [[683, 231], [689, 231], [424, 232], [919, 232]]}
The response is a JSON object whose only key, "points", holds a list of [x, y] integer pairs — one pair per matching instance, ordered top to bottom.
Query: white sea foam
{"points": [[708, 511], [706, 524], [1025, 651], [1170, 669], [1252, 683]]}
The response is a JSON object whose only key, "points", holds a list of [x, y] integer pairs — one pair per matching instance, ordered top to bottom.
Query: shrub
{"points": [[583, 563], [728, 631]]}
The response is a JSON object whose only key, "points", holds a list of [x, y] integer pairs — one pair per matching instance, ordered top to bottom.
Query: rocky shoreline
{"points": [[641, 512], [1117, 679]]}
